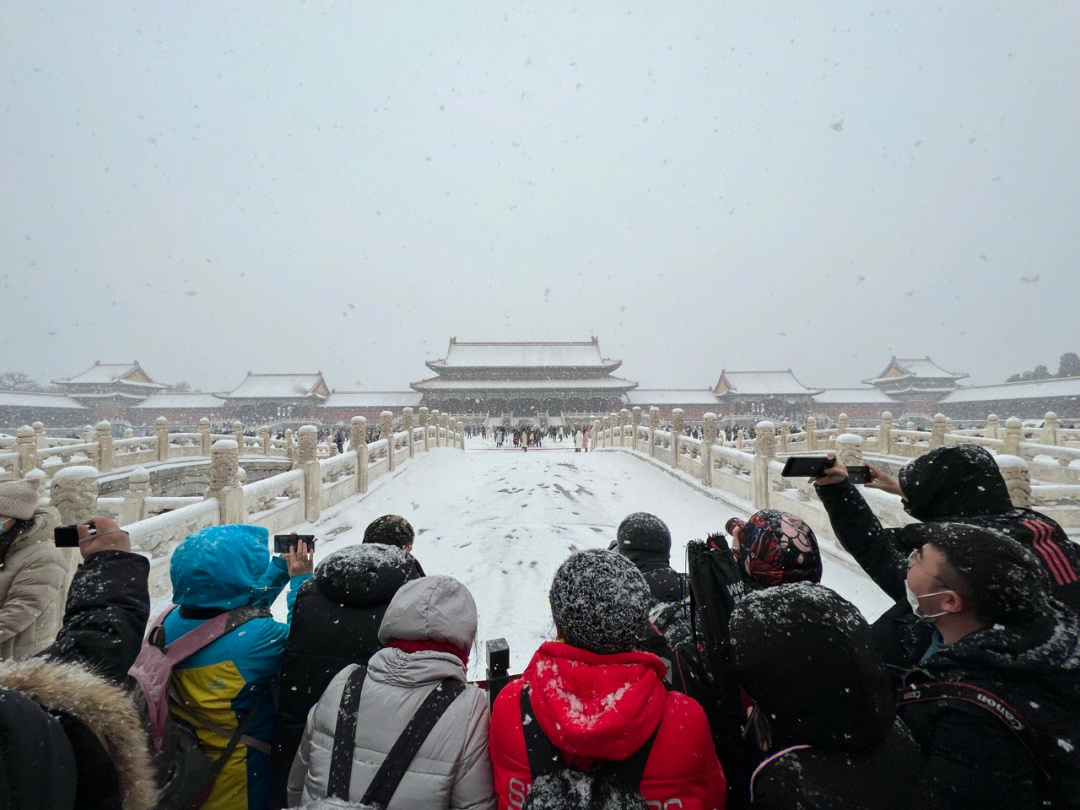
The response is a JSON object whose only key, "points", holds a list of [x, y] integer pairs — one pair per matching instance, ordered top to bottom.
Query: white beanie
{"points": [[18, 499]]}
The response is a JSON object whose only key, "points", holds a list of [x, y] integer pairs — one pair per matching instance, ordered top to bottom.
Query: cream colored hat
{"points": [[18, 499]]}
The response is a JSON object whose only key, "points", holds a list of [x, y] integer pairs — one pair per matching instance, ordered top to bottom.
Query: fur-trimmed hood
{"points": [[102, 707]]}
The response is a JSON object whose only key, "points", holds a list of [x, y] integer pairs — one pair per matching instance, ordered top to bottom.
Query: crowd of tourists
{"points": [[741, 682]]}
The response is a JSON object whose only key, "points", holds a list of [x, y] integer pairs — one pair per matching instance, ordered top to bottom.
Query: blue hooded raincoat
{"points": [[225, 567]]}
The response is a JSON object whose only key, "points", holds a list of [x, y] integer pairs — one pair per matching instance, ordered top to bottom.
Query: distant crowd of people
{"points": [[741, 682]]}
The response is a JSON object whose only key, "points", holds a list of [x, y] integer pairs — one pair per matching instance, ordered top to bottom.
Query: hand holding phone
{"points": [[824, 470], [284, 542]]}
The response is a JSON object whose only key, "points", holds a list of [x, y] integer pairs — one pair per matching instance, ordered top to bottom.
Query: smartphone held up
{"points": [[813, 466], [284, 543]]}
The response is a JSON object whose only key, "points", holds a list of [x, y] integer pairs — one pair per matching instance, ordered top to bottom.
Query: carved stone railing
{"points": [[751, 478]]}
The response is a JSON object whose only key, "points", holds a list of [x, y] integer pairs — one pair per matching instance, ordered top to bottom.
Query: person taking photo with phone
{"points": [[957, 484], [33, 573]]}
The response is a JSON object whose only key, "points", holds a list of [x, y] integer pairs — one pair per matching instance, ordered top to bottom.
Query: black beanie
{"points": [[643, 532], [600, 602]]}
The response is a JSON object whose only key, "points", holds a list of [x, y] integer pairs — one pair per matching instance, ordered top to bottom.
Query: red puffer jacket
{"points": [[607, 706]]}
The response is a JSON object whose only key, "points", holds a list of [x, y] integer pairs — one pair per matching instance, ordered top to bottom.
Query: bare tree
{"points": [[17, 381]]}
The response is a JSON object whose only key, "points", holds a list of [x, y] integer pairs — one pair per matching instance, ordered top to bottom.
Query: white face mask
{"points": [[916, 608]]}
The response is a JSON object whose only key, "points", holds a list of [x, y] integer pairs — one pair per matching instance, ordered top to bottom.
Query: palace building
{"points": [[511, 383]]}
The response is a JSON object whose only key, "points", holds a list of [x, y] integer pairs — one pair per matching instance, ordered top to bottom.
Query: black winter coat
{"points": [[960, 484], [665, 583], [105, 617], [335, 623], [806, 656], [70, 736], [972, 757]]}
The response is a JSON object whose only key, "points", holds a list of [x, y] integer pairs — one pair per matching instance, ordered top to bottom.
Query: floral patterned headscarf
{"points": [[776, 548]]}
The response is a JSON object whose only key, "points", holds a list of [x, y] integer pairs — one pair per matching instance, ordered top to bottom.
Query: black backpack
{"points": [[716, 582], [401, 754], [606, 784]]}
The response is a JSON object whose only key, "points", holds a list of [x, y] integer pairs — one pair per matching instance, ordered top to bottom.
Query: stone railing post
{"points": [[425, 416], [678, 419], [605, 423], [654, 423], [407, 424], [842, 424], [435, 426], [635, 426], [993, 426], [949, 427], [1050, 428], [624, 430], [386, 431], [784, 432], [937, 432], [129, 433], [86, 434], [594, 434], [811, 434], [1014, 434], [161, 435], [238, 436], [461, 436], [708, 436], [204, 437], [41, 438], [740, 439], [264, 440], [884, 441], [358, 442], [26, 447], [290, 449], [849, 449], [105, 450], [764, 451], [307, 461], [1017, 478], [225, 482], [74, 493], [134, 508]]}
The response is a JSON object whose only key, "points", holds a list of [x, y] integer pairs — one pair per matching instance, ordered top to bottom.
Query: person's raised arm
{"points": [[874, 547], [107, 605]]}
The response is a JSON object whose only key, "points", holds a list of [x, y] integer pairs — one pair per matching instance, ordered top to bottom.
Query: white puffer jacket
{"points": [[34, 578], [452, 768]]}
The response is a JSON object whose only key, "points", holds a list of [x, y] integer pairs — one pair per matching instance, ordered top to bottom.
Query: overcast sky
{"points": [[300, 186]]}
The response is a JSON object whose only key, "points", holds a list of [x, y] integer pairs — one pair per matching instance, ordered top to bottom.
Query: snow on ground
{"points": [[502, 521]]}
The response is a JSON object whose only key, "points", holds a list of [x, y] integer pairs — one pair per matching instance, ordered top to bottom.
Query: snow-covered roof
{"points": [[584, 354], [900, 368], [101, 373], [605, 383], [761, 383], [280, 386], [1030, 389], [671, 396], [853, 396], [38, 399], [181, 400], [373, 400]]}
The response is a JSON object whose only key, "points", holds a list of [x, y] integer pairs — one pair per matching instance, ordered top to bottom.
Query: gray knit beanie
{"points": [[18, 499], [599, 601]]}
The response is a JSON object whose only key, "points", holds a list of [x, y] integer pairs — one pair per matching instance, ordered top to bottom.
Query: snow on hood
{"points": [[959, 481], [219, 566], [364, 575], [592, 705]]}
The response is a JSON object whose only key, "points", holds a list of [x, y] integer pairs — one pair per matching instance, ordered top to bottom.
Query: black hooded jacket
{"points": [[958, 484], [335, 623], [805, 655], [972, 758]]}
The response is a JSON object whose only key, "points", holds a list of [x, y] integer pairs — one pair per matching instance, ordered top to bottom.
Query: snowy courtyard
{"points": [[502, 521]]}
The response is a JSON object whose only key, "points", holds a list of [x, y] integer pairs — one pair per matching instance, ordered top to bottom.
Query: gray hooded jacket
{"points": [[452, 768]]}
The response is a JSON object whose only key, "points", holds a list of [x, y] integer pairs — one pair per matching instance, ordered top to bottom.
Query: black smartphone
{"points": [[813, 466], [66, 536], [284, 542]]}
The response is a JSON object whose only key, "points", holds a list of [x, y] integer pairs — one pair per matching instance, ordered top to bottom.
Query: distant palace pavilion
{"points": [[550, 383]]}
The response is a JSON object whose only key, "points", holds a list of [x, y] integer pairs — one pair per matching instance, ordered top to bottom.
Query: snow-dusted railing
{"points": [[752, 477], [338, 478], [276, 502]]}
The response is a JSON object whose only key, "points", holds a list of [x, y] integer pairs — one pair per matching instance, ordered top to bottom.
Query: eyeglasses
{"points": [[914, 558]]}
